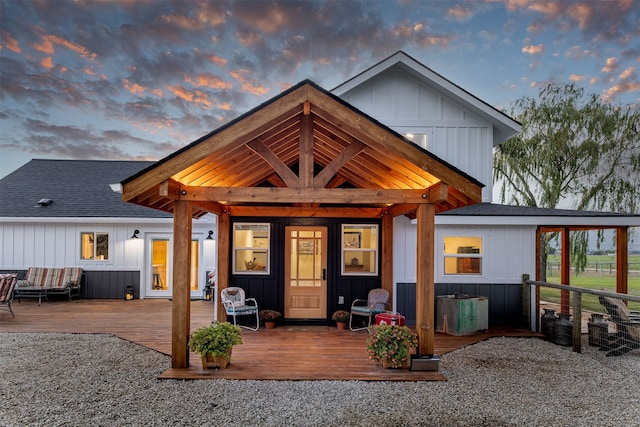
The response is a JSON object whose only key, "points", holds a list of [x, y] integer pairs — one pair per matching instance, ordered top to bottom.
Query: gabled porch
{"points": [[303, 154]]}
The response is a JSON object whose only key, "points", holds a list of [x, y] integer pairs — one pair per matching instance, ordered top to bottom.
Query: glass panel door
{"points": [[305, 273], [159, 280], [159, 284]]}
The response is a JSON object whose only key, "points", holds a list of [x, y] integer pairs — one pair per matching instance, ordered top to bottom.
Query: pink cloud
{"points": [[460, 13], [10, 43], [533, 50], [47, 62], [221, 62], [611, 65], [577, 77], [208, 80], [248, 85], [134, 88], [195, 97]]}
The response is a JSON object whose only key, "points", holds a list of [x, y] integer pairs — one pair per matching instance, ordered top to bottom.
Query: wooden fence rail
{"points": [[577, 304]]}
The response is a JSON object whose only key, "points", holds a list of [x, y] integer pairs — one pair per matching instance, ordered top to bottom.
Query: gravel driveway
{"points": [[101, 380]]}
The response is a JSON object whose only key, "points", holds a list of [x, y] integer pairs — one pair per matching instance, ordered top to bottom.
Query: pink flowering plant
{"points": [[391, 343]]}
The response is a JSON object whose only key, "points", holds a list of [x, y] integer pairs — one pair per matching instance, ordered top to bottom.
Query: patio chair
{"points": [[7, 283], [375, 303], [235, 304], [627, 337]]}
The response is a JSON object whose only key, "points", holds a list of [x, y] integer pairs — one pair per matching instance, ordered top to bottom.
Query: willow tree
{"points": [[575, 151]]}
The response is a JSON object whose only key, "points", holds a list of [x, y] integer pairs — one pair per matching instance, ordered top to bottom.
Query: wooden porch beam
{"points": [[351, 150], [305, 153], [287, 175], [169, 189], [311, 195], [307, 212], [224, 248], [622, 260], [386, 267], [565, 268], [425, 287], [181, 301]]}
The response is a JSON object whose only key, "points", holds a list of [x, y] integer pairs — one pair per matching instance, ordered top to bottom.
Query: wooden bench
{"points": [[44, 281]]}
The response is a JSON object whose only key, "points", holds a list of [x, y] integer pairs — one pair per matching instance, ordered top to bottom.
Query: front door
{"points": [[160, 266], [305, 290]]}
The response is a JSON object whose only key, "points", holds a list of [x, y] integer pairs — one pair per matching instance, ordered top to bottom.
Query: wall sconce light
{"points": [[135, 234], [210, 236], [128, 293]]}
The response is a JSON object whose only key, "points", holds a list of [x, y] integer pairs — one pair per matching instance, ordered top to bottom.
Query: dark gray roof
{"points": [[78, 188], [491, 209]]}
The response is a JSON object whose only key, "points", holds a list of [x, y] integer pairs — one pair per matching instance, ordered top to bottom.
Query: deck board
{"points": [[283, 353]]}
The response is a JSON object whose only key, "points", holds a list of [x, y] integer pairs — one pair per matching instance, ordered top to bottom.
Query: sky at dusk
{"points": [[139, 79]]}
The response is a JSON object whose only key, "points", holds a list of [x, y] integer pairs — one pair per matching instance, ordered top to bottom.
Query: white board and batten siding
{"points": [[409, 106], [56, 243], [507, 252]]}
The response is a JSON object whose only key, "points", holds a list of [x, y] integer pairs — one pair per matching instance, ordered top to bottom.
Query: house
{"points": [[313, 198], [58, 213]]}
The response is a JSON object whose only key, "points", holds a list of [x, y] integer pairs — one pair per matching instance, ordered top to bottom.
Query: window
{"points": [[420, 139], [94, 246], [251, 248], [359, 249], [462, 255]]}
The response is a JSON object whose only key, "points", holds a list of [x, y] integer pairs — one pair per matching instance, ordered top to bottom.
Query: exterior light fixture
{"points": [[135, 234], [210, 236], [128, 293]]}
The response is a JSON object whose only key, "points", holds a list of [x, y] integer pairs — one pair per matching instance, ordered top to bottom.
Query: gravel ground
{"points": [[101, 380]]}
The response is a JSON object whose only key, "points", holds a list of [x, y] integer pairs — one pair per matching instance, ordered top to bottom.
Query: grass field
{"points": [[600, 274]]}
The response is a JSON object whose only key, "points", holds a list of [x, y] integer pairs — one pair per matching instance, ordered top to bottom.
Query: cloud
{"points": [[10, 43], [533, 50], [611, 65], [577, 77], [208, 80]]}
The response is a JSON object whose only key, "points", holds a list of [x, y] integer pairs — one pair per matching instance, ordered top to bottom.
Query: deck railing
{"points": [[576, 306]]}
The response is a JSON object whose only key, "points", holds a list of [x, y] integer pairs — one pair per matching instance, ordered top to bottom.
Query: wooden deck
{"points": [[283, 353]]}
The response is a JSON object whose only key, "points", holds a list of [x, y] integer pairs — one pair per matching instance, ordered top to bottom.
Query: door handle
{"points": [[324, 274]]}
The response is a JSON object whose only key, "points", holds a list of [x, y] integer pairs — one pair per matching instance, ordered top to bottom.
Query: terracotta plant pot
{"points": [[269, 325], [341, 325]]}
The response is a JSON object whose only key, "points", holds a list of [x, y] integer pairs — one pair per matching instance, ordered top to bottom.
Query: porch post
{"points": [[224, 250], [622, 260], [565, 269], [386, 273], [425, 287], [181, 305]]}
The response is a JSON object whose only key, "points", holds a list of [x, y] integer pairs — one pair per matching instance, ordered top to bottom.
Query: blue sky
{"points": [[139, 79]]}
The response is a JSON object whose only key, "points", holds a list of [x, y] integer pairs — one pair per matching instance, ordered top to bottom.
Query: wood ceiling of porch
{"points": [[303, 150]]}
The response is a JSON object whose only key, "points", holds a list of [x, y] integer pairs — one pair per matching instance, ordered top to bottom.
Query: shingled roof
{"points": [[77, 188]]}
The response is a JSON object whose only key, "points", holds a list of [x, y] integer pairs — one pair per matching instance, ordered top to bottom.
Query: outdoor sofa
{"points": [[44, 281]]}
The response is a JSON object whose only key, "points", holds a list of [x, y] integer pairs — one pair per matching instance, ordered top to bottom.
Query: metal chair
{"points": [[7, 283], [375, 303], [235, 304]]}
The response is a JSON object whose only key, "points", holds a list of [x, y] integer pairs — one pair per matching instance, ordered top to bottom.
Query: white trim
{"points": [[88, 219], [609, 221]]}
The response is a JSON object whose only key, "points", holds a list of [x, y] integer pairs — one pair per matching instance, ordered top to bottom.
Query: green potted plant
{"points": [[269, 317], [341, 317], [214, 343], [391, 345]]}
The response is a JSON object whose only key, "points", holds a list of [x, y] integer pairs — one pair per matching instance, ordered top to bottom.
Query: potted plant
{"points": [[269, 317], [341, 317], [214, 343], [391, 345]]}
